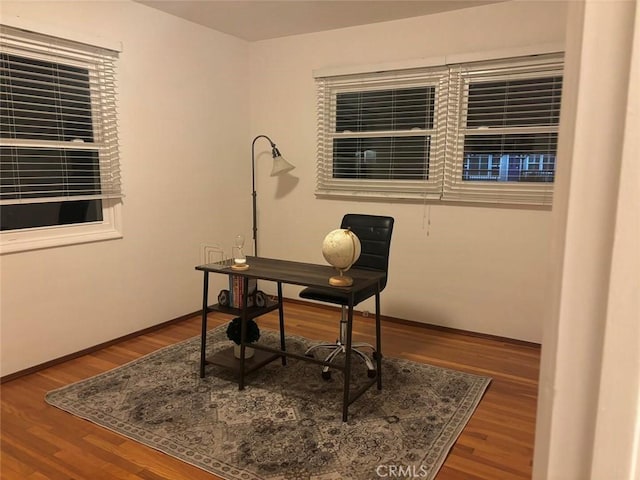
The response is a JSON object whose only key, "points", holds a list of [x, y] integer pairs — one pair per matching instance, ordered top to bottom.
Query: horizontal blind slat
{"points": [[59, 120], [504, 135], [376, 158]]}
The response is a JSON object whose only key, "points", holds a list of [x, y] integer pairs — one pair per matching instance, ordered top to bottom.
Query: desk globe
{"points": [[341, 249]]}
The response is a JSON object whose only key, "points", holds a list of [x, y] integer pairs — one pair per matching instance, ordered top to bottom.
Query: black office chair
{"points": [[374, 233]]}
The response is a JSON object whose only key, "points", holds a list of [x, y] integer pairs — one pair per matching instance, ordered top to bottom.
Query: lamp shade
{"points": [[280, 166]]}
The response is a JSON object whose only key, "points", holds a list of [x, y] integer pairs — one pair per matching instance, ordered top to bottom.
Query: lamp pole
{"points": [[280, 166]]}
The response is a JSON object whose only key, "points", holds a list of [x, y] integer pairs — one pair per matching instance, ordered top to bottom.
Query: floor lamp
{"points": [[280, 166]]}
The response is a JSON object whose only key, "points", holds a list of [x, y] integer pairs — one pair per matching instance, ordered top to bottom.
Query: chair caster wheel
{"points": [[371, 373], [326, 375]]}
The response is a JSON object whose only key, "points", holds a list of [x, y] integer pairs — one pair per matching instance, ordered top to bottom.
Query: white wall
{"points": [[191, 100], [183, 114], [476, 268], [588, 418]]}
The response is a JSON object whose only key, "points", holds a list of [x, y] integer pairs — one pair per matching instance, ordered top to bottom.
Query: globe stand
{"points": [[341, 281]]}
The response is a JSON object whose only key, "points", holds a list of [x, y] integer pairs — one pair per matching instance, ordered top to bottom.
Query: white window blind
{"points": [[58, 120], [503, 131], [475, 132], [382, 135]]}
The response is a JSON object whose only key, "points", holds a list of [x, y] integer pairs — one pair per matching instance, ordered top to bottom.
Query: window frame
{"points": [[19, 36], [328, 89], [443, 184], [456, 189]]}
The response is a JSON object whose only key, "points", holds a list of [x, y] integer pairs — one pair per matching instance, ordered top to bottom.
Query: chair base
{"points": [[341, 347], [338, 348]]}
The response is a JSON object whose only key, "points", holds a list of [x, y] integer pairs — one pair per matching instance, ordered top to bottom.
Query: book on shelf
{"points": [[236, 291]]}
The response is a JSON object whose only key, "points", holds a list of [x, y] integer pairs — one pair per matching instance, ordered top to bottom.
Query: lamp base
{"points": [[241, 266], [341, 281]]}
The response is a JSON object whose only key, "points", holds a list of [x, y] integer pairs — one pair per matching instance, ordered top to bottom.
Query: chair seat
{"points": [[337, 298]]}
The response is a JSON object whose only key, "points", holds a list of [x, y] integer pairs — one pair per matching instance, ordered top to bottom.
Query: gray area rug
{"points": [[287, 422]]}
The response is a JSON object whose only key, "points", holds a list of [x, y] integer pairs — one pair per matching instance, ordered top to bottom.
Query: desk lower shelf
{"points": [[252, 312], [226, 359]]}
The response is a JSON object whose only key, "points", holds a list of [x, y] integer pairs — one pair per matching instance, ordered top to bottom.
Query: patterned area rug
{"points": [[287, 423]]}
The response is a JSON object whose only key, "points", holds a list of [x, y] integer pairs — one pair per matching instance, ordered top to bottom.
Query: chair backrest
{"points": [[374, 233]]}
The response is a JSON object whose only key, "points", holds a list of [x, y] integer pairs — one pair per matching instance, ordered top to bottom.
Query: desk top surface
{"points": [[295, 273]]}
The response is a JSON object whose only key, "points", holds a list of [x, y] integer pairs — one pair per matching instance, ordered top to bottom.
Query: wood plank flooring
{"points": [[42, 442]]}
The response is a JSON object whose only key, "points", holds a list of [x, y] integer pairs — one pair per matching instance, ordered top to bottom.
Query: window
{"points": [[483, 132], [379, 134], [502, 146], [392, 157], [59, 162]]}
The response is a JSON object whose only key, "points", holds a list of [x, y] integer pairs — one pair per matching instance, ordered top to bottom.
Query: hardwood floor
{"points": [[42, 442]]}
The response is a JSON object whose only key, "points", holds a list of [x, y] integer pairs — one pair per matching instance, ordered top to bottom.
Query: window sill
{"points": [[58, 236], [16, 245]]}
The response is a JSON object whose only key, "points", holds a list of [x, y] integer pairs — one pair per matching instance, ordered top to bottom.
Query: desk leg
{"points": [[281, 314], [243, 330], [203, 334], [378, 340], [347, 362]]}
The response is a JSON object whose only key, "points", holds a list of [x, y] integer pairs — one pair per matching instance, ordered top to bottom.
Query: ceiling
{"points": [[263, 19]]}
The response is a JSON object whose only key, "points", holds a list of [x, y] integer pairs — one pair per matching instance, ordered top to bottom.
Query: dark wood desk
{"points": [[295, 273]]}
